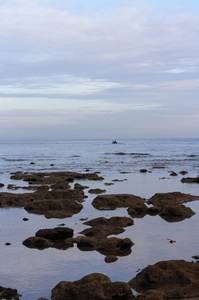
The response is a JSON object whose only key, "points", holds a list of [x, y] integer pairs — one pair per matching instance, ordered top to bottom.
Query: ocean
{"points": [[33, 272]]}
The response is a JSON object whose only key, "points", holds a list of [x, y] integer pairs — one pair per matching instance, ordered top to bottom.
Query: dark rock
{"points": [[32, 163], [143, 171], [183, 172], [173, 174], [190, 180], [1, 185], [60, 186], [79, 186], [96, 191], [163, 199], [111, 202], [54, 208], [139, 210], [175, 213], [25, 219], [114, 221], [102, 230], [58, 233], [37, 242], [7, 243], [105, 246], [195, 256], [110, 258], [177, 278], [94, 286], [8, 293]]}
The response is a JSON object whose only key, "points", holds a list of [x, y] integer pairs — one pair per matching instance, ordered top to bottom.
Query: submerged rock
{"points": [[177, 278], [94, 286]]}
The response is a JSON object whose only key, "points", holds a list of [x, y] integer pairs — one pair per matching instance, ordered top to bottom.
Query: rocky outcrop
{"points": [[52, 177], [190, 180], [163, 199], [111, 202], [177, 278], [94, 286], [8, 293]]}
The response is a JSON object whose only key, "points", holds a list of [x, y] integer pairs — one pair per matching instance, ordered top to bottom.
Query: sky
{"points": [[88, 69]]}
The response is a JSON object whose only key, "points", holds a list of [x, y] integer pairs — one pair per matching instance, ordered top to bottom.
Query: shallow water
{"points": [[34, 273]]}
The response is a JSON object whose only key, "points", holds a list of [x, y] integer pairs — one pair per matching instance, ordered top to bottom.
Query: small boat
{"points": [[114, 142]]}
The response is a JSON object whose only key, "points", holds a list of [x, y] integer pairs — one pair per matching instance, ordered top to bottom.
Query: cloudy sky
{"points": [[99, 69]]}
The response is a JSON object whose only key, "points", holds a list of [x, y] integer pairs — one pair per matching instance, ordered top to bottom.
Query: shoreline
{"points": [[85, 200]]}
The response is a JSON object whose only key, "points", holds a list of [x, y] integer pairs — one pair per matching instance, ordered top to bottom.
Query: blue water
{"points": [[34, 273]]}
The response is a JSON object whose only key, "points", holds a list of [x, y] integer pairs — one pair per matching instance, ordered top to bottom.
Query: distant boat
{"points": [[114, 142]]}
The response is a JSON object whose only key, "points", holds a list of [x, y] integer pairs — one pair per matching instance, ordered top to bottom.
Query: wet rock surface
{"points": [[190, 180], [96, 191], [162, 199], [111, 202], [113, 221], [46, 238], [177, 278], [94, 286], [9, 294]]}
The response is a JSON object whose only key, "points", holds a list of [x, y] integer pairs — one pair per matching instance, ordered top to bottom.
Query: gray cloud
{"points": [[130, 56]]}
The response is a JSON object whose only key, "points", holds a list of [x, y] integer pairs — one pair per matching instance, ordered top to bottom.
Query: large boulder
{"points": [[111, 202], [177, 278], [94, 286]]}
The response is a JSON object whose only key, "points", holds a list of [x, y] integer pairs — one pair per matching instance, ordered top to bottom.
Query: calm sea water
{"points": [[34, 273]]}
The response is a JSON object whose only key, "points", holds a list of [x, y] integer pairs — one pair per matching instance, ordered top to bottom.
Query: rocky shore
{"points": [[51, 195]]}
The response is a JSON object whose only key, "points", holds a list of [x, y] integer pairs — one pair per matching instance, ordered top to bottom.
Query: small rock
{"points": [[143, 170], [173, 174], [1, 185], [25, 219], [7, 244], [110, 258]]}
